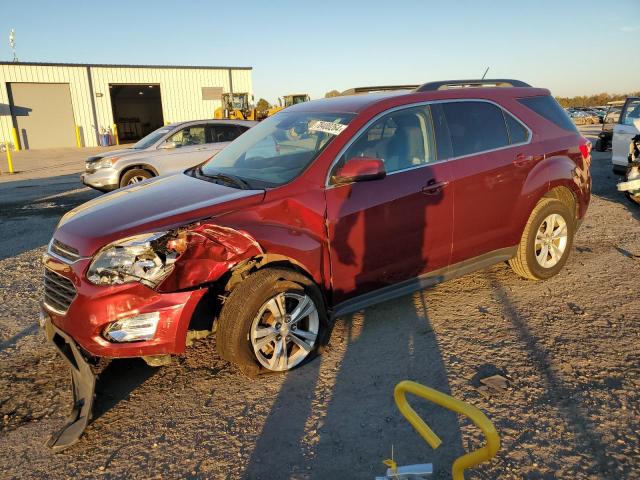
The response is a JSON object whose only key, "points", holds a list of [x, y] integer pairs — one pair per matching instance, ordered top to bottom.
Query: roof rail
{"points": [[488, 82], [380, 88]]}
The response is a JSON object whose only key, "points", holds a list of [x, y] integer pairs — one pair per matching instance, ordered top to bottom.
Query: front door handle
{"points": [[433, 188]]}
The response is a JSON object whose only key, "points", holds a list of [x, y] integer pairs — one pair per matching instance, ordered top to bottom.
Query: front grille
{"points": [[63, 251], [59, 292]]}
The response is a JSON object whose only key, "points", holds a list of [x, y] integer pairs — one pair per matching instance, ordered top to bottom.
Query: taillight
{"points": [[585, 150]]}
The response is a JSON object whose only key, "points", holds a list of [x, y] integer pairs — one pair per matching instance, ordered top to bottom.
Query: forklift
{"points": [[287, 101], [235, 106]]}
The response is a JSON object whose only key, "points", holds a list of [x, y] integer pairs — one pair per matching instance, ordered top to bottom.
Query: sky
{"points": [[572, 47]]}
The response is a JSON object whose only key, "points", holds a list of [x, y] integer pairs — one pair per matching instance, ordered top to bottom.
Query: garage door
{"points": [[43, 114]]}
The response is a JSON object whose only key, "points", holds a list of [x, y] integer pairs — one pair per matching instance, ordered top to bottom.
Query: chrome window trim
{"points": [[329, 185]]}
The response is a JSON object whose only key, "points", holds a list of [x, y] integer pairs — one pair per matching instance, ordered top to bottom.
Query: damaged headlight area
{"points": [[146, 258], [133, 329]]}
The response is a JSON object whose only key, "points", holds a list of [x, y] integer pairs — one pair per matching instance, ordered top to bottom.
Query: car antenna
{"points": [[485, 73]]}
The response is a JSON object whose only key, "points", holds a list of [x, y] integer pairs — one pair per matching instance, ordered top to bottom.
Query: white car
{"points": [[623, 132]]}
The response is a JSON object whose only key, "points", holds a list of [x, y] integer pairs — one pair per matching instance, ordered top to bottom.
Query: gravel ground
{"points": [[568, 348]]}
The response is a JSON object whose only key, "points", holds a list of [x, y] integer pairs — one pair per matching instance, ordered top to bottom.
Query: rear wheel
{"points": [[134, 176], [546, 241], [274, 320]]}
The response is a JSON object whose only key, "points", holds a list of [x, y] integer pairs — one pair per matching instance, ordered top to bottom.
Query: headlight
{"points": [[104, 163], [145, 258]]}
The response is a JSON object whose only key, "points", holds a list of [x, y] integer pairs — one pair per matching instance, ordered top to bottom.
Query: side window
{"points": [[631, 112], [475, 127], [517, 132], [224, 133], [188, 136], [402, 139]]}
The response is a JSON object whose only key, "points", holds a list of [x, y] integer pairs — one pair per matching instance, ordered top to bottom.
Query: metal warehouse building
{"points": [[45, 105]]}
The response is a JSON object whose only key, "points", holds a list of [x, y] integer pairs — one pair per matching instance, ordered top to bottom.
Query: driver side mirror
{"points": [[168, 146], [360, 169]]}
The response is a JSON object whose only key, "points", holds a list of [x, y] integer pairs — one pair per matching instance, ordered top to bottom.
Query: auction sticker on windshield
{"points": [[333, 128]]}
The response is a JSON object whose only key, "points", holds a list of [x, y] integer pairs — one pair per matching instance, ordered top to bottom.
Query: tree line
{"points": [[593, 100], [579, 101]]}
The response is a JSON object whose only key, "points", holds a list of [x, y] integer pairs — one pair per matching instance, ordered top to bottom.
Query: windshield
{"points": [[237, 102], [152, 138], [277, 150]]}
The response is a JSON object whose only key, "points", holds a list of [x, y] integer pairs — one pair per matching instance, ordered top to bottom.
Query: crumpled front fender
{"points": [[211, 251]]}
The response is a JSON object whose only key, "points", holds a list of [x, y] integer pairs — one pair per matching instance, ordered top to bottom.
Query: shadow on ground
{"points": [[322, 434]]}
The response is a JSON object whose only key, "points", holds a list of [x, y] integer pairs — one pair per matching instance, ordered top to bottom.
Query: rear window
{"points": [[547, 107], [475, 127]]}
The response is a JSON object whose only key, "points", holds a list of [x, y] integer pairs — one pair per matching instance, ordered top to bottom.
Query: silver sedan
{"points": [[167, 150]]}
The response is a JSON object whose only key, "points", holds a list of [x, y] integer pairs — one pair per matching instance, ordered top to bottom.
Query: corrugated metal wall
{"points": [[76, 77], [180, 88]]}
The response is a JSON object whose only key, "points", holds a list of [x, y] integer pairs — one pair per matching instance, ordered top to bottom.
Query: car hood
{"points": [[114, 153], [154, 205]]}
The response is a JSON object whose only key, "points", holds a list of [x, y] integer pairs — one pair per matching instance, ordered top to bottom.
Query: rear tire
{"points": [[134, 176], [546, 241], [254, 338]]}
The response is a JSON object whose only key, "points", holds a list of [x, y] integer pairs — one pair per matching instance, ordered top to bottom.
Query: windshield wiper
{"points": [[230, 179]]}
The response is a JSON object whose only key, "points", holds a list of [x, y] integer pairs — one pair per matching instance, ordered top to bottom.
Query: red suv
{"points": [[323, 209]]}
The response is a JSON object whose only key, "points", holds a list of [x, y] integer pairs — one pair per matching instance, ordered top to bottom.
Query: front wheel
{"points": [[134, 176], [546, 241], [274, 320]]}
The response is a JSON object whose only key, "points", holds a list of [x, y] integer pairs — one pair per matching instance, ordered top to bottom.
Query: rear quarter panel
{"points": [[559, 167]]}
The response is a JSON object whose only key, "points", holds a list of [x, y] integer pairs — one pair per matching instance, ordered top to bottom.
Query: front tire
{"points": [[134, 176], [546, 241], [273, 321]]}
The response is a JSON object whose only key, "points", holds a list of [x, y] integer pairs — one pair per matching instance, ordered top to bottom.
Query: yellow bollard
{"points": [[115, 134], [14, 137], [78, 140], [8, 150], [477, 417]]}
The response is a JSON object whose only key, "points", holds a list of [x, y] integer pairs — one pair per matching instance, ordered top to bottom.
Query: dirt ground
{"points": [[567, 346]]}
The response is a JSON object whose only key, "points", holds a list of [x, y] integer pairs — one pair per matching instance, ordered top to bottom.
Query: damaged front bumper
{"points": [[83, 383]]}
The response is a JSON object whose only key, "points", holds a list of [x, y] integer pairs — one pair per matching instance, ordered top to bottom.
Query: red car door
{"points": [[492, 157], [386, 231]]}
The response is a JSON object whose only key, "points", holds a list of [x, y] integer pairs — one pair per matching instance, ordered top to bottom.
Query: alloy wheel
{"points": [[136, 179], [551, 240], [284, 331]]}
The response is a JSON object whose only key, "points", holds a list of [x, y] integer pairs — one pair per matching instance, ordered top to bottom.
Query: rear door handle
{"points": [[522, 159], [433, 188]]}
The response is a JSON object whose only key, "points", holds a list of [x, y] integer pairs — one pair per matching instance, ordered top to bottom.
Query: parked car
{"points": [[582, 117], [610, 119], [623, 132], [167, 150], [344, 203]]}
